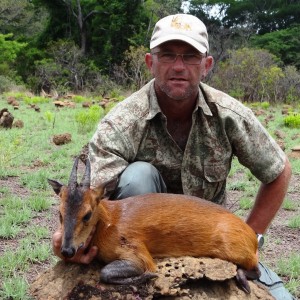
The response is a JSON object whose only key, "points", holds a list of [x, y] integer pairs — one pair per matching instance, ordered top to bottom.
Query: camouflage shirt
{"points": [[136, 130]]}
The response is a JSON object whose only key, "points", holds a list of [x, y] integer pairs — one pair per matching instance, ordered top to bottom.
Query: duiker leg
{"points": [[124, 272]]}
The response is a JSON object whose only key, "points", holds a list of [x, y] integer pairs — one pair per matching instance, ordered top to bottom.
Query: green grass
{"points": [[29, 154], [246, 203], [289, 205], [294, 222], [290, 267], [14, 288]]}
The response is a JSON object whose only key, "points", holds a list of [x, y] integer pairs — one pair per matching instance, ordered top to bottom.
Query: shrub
{"points": [[255, 75], [5, 84], [49, 116], [87, 119], [292, 121]]}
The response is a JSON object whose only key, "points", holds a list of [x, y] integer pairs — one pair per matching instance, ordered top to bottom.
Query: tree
{"points": [[76, 7], [157, 9], [21, 17], [232, 23], [283, 43], [9, 50], [255, 75]]}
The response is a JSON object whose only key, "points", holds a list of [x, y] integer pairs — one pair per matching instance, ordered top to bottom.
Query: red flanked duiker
{"points": [[131, 232]]}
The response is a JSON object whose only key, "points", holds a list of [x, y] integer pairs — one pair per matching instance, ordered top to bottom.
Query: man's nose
{"points": [[179, 61]]}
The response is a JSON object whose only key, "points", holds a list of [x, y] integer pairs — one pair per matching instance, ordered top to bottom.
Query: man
{"points": [[179, 135]]}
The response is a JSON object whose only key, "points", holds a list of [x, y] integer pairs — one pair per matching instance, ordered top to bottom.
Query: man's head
{"points": [[181, 27], [178, 60]]}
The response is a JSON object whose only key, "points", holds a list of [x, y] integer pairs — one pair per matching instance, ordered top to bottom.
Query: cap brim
{"points": [[179, 37]]}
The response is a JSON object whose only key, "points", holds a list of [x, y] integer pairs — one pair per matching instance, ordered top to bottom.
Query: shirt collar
{"points": [[155, 108]]}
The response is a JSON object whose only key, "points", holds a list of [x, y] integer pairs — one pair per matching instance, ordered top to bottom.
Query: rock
{"points": [[86, 104], [6, 118], [18, 124], [279, 134], [61, 139], [295, 152], [178, 278]]}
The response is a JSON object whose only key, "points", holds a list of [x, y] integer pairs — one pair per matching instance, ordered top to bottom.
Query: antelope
{"points": [[132, 231]]}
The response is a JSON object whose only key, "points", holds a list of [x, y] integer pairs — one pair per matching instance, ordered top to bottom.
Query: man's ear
{"points": [[149, 61], [209, 63], [55, 185]]}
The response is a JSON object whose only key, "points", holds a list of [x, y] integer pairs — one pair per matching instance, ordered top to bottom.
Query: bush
{"points": [[255, 75], [6, 84], [87, 119], [292, 121]]}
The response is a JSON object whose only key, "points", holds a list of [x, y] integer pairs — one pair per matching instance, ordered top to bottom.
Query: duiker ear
{"points": [[55, 185]]}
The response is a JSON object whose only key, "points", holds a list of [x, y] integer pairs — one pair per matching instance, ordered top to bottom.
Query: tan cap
{"points": [[181, 27]]}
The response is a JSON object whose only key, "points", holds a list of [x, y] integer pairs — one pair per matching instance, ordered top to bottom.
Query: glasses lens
{"points": [[168, 57], [192, 59]]}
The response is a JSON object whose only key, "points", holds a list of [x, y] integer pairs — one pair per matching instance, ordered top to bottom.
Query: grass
{"points": [[29, 156], [289, 205], [294, 222], [290, 268]]}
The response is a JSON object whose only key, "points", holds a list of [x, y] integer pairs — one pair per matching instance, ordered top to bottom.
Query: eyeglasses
{"points": [[169, 57]]}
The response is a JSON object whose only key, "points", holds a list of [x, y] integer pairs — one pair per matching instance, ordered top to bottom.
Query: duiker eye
{"points": [[87, 217]]}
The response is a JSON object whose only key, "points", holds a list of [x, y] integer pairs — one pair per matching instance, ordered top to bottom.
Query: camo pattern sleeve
{"points": [[115, 142]]}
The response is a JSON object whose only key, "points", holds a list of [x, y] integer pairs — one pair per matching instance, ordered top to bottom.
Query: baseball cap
{"points": [[182, 27]]}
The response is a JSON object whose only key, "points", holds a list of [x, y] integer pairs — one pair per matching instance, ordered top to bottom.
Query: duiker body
{"points": [[131, 232]]}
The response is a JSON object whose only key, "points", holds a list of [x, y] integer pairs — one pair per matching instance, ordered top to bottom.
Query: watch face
{"points": [[261, 240]]}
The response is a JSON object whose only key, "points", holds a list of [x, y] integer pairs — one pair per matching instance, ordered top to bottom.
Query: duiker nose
{"points": [[68, 252]]}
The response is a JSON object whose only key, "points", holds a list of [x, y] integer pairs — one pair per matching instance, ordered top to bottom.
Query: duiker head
{"points": [[78, 209]]}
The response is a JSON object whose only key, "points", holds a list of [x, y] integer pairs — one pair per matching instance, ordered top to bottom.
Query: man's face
{"points": [[177, 80]]}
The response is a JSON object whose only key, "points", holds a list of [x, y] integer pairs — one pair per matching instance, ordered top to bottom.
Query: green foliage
{"points": [[283, 43], [8, 48], [133, 70], [254, 75], [6, 84], [79, 99], [35, 100], [49, 116], [87, 119], [292, 121], [36, 180], [246, 203], [289, 205], [290, 266], [14, 288]]}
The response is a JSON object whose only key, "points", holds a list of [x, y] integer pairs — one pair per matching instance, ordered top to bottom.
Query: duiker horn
{"points": [[86, 179]]}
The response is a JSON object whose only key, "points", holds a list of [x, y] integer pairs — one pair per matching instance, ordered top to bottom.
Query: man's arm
{"points": [[268, 200]]}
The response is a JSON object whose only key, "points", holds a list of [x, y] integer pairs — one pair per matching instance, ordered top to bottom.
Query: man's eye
{"points": [[168, 55]]}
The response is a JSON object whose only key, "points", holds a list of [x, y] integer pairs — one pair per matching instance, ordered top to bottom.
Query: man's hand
{"points": [[82, 256]]}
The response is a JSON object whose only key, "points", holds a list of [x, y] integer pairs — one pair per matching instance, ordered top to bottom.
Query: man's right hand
{"points": [[84, 255]]}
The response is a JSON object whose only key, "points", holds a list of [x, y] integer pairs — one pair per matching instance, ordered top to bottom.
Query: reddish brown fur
{"points": [[163, 225]]}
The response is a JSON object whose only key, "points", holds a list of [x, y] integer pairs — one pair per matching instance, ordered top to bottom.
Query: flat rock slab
{"points": [[178, 278]]}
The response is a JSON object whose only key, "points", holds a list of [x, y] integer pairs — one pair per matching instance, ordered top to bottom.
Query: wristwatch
{"points": [[260, 240]]}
